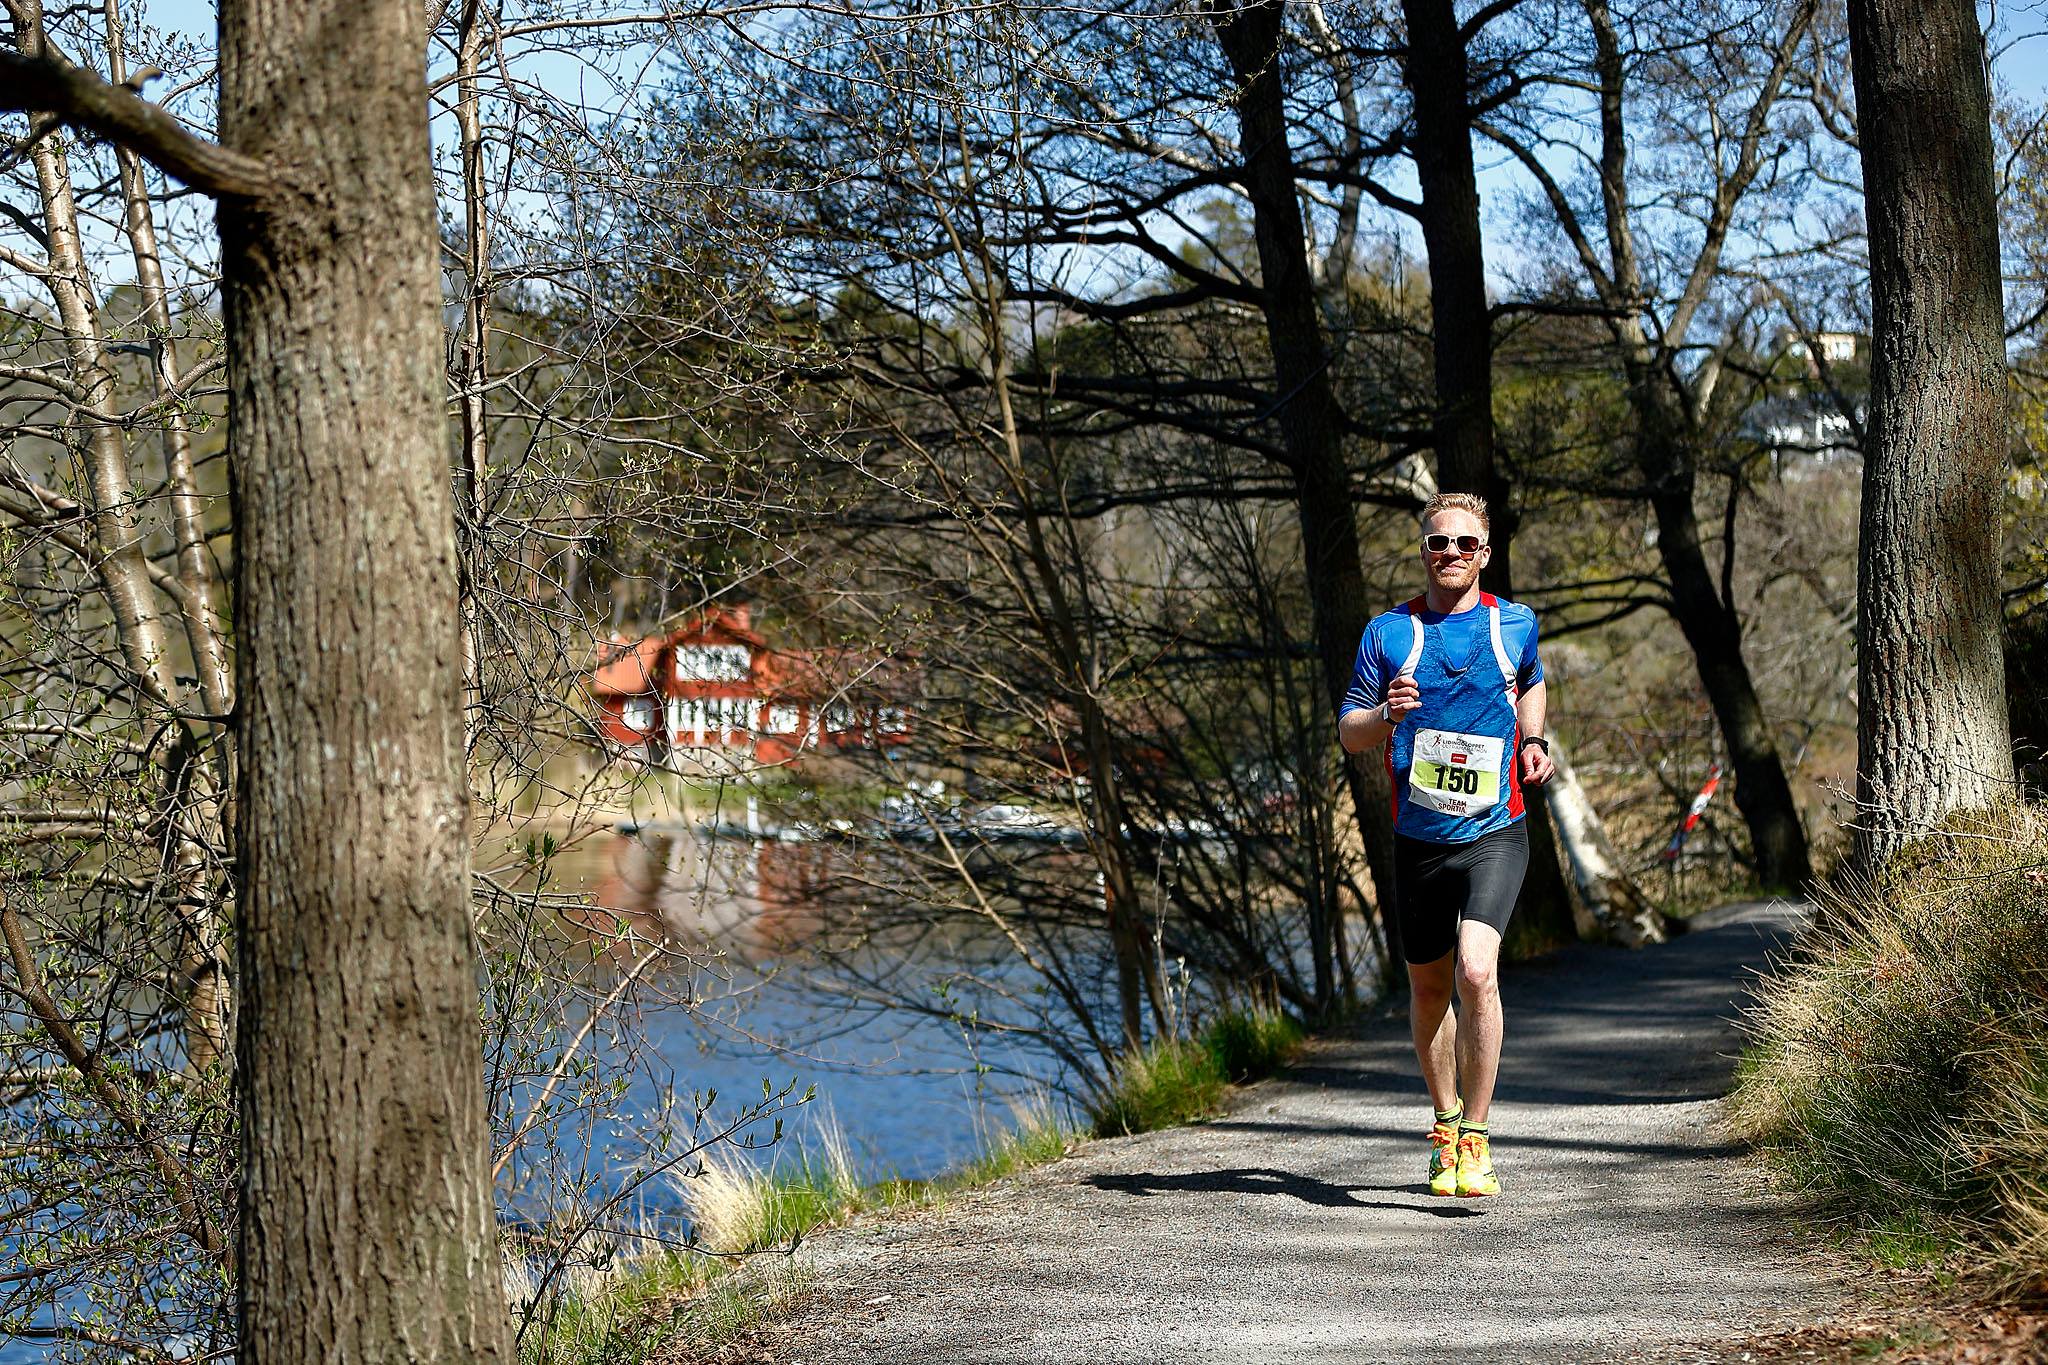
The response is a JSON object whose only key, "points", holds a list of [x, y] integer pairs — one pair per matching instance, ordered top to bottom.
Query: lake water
{"points": [[913, 1092]]}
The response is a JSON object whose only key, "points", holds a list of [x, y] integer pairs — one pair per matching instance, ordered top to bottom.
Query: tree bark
{"points": [[1311, 420], [1932, 729], [367, 1223]]}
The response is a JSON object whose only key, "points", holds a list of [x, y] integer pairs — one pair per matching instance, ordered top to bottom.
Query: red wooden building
{"points": [[716, 687]]}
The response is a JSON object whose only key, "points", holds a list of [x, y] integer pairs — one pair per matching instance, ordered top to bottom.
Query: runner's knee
{"points": [[1477, 978], [1430, 990]]}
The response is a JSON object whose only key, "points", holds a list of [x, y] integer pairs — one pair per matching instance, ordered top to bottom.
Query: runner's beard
{"points": [[1457, 577]]}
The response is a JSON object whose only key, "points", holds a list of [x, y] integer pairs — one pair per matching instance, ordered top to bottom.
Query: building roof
{"points": [[721, 625], [628, 668], [815, 674]]}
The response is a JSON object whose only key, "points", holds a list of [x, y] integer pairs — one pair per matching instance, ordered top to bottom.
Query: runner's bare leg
{"points": [[1480, 1026], [1435, 1029]]}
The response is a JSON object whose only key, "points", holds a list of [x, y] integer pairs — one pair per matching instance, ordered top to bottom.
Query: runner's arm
{"points": [[1532, 709], [1361, 721], [1362, 729], [1532, 761]]}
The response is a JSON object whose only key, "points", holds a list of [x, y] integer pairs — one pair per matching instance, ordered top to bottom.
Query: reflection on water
{"points": [[756, 898], [912, 1090]]}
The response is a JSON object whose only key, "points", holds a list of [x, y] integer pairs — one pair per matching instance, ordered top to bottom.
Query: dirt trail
{"points": [[1299, 1229]]}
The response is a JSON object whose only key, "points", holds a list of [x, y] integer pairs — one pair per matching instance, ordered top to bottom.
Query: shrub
{"points": [[1249, 1044], [1900, 1059], [1177, 1081]]}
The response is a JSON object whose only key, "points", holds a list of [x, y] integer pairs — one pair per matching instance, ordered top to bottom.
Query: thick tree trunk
{"points": [[1461, 334], [1311, 422], [1711, 628], [1932, 729], [367, 1224]]}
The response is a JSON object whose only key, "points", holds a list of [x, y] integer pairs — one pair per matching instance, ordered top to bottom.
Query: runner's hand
{"points": [[1403, 697], [1537, 768]]}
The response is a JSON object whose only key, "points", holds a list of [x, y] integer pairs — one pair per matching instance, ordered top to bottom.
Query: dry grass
{"points": [[1900, 1061], [736, 1205], [703, 1304]]}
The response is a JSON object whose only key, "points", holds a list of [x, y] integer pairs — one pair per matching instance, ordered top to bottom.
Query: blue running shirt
{"points": [[1453, 760]]}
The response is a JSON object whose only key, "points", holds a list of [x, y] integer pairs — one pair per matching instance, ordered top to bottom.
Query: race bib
{"points": [[1455, 774]]}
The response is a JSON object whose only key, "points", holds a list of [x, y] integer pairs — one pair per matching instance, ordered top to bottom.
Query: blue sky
{"points": [[2021, 70]]}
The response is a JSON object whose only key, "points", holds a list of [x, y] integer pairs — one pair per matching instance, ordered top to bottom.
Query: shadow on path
{"points": [[1404, 1084], [1659, 1151], [1263, 1180]]}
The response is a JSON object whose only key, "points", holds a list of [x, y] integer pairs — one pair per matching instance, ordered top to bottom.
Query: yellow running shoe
{"points": [[1443, 1158], [1475, 1166]]}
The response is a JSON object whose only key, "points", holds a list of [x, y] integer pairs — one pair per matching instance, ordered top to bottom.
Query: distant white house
{"points": [[1835, 348], [1803, 431]]}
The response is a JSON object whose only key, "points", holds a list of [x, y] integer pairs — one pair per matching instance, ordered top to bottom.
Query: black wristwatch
{"points": [[1536, 739]]}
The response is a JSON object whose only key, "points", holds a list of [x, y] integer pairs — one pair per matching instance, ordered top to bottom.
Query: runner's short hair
{"points": [[1463, 502]]}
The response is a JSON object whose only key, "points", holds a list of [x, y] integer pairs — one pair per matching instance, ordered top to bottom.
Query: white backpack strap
{"points": [[1500, 650], [1407, 669]]}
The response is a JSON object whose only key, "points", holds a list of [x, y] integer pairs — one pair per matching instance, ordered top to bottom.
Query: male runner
{"points": [[1453, 679]]}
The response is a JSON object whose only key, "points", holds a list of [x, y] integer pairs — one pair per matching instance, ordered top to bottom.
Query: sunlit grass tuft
{"points": [[1178, 1081], [1036, 1136], [736, 1206]]}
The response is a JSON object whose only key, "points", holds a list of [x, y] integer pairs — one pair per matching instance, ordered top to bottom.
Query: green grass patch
{"points": [[1248, 1044], [1899, 1062], [1178, 1081], [1903, 1242], [600, 1316], [1910, 1341]]}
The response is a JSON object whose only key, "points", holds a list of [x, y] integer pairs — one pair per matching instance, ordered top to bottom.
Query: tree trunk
{"points": [[1461, 332], [1461, 335], [472, 356], [1667, 411], [1311, 422], [120, 544], [1711, 628], [1932, 730], [1614, 907], [1543, 918], [209, 1000], [367, 1223]]}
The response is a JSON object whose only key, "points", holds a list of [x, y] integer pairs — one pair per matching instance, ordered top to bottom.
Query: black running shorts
{"points": [[1436, 885]]}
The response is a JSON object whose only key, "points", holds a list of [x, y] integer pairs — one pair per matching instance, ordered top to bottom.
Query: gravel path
{"points": [[1299, 1228]]}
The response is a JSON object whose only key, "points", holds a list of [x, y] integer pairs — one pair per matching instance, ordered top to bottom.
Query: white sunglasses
{"points": [[1437, 542]]}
